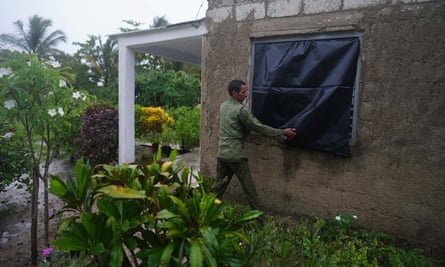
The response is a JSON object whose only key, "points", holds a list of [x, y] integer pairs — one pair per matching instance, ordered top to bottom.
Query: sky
{"points": [[80, 18]]}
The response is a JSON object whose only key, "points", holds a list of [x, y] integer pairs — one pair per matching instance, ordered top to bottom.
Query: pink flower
{"points": [[47, 251]]}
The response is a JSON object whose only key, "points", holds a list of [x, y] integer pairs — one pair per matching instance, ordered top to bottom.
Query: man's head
{"points": [[238, 90]]}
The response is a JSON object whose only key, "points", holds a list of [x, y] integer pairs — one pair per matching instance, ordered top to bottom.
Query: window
{"points": [[310, 84]]}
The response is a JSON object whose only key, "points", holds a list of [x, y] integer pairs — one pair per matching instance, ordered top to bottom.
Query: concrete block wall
{"points": [[219, 10], [395, 179]]}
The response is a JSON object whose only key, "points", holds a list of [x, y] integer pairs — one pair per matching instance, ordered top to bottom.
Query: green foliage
{"points": [[159, 22], [36, 39], [101, 59], [96, 68], [84, 80], [167, 89], [47, 94], [106, 94], [36, 97], [38, 104], [151, 122], [157, 125], [187, 126], [185, 130], [67, 131], [98, 140], [13, 152], [13, 155], [74, 192], [161, 214], [155, 215], [319, 242]]}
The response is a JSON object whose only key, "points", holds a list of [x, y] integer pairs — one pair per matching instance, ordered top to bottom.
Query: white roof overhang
{"points": [[179, 42]]}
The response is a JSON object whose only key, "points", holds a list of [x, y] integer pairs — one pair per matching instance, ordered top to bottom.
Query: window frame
{"points": [[325, 36]]}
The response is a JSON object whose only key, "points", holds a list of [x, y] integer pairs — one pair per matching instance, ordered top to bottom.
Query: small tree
{"points": [[36, 98]]}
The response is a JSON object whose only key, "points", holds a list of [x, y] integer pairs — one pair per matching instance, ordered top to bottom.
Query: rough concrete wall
{"points": [[395, 179]]}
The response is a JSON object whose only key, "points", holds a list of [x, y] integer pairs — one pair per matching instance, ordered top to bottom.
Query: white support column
{"points": [[126, 104]]}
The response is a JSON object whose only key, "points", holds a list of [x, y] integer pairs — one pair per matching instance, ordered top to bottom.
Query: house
{"points": [[392, 175]]}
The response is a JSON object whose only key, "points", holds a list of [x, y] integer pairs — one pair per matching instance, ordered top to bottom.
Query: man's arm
{"points": [[254, 124]]}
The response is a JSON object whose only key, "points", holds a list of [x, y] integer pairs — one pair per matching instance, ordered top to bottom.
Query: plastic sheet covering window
{"points": [[307, 85]]}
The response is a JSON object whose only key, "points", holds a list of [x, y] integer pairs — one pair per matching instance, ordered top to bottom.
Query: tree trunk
{"points": [[45, 178], [46, 210], [34, 214]]}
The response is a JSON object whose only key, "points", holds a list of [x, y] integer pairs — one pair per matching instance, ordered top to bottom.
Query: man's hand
{"points": [[290, 132]]}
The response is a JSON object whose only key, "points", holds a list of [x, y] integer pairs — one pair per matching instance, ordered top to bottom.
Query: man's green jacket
{"points": [[235, 122]]}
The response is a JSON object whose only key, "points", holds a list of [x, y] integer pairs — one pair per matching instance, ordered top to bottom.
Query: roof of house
{"points": [[180, 42]]}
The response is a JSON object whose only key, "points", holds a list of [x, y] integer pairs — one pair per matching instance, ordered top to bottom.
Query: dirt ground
{"points": [[15, 215], [15, 219]]}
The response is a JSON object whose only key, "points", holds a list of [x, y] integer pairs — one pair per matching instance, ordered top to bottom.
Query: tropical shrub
{"points": [[151, 122], [187, 126], [98, 140], [155, 215]]}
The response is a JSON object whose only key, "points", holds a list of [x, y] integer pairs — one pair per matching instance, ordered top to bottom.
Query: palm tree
{"points": [[159, 22], [35, 40], [101, 58]]}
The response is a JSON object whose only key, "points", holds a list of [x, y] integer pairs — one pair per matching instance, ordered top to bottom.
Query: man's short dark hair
{"points": [[235, 86]]}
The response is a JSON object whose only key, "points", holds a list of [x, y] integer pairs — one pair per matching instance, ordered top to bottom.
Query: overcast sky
{"points": [[80, 18]]}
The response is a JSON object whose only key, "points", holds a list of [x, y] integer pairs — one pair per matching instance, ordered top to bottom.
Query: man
{"points": [[236, 121]]}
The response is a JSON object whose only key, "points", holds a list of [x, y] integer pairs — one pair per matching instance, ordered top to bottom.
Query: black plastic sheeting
{"points": [[307, 85]]}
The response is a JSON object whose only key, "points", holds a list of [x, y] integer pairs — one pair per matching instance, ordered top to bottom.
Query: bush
{"points": [[151, 122], [187, 126], [98, 141], [162, 214], [153, 215], [320, 242]]}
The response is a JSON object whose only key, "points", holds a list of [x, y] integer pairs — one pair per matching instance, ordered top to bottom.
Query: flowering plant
{"points": [[37, 102], [151, 122], [345, 220], [46, 252]]}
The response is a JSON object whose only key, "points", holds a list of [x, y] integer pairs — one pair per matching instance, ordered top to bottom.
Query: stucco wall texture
{"points": [[395, 180]]}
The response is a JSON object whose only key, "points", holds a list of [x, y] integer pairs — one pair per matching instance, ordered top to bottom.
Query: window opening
{"points": [[310, 83]]}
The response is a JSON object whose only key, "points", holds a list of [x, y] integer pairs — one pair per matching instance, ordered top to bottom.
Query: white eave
{"points": [[179, 42]]}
